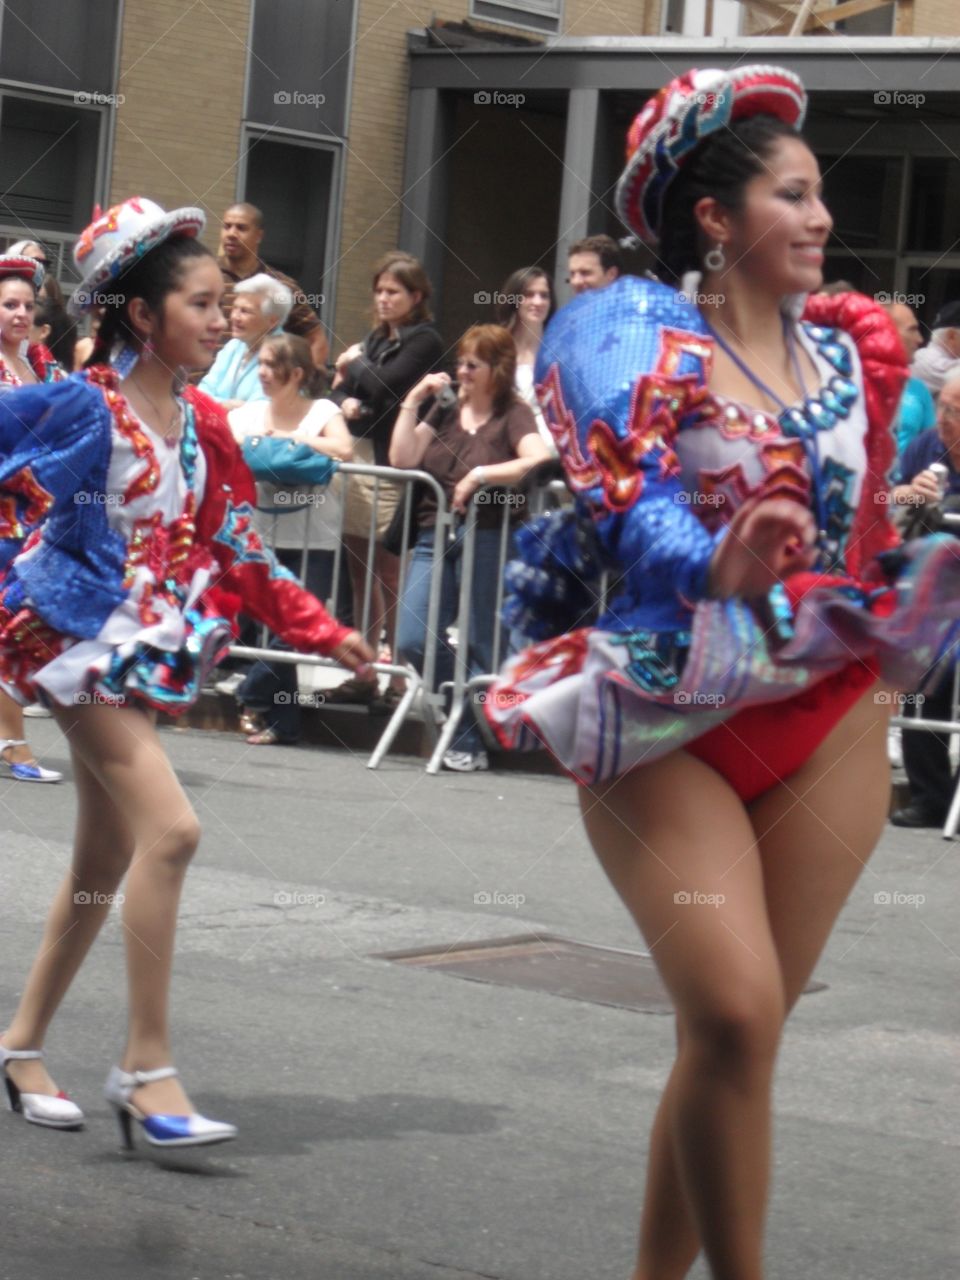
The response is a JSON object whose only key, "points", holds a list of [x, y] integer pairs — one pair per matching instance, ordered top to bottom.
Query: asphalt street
{"points": [[399, 1123]]}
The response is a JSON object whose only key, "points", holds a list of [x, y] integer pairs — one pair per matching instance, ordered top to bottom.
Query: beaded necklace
{"points": [[792, 421]]}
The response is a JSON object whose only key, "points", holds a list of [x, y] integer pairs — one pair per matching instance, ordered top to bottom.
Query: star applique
{"points": [[22, 483]]}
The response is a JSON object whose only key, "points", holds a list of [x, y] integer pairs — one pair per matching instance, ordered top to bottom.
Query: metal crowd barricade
{"points": [[305, 499], [420, 688], [462, 688], [918, 723]]}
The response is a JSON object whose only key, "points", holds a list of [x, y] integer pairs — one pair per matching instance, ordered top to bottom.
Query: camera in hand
{"points": [[447, 396], [941, 516]]}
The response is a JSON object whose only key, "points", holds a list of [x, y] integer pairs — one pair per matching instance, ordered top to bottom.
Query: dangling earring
{"points": [[716, 259], [148, 349]]}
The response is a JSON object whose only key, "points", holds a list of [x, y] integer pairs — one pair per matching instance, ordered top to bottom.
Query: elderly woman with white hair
{"points": [[260, 309]]}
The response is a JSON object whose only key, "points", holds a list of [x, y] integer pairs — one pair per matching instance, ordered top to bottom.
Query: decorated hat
{"points": [[680, 116], [115, 240], [16, 266]]}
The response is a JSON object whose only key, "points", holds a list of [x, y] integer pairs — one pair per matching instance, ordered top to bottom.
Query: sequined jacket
{"points": [[620, 376], [55, 445]]}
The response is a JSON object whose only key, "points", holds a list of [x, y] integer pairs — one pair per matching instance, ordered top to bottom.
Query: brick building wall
{"points": [[930, 18], [936, 18], [182, 71], [374, 162]]}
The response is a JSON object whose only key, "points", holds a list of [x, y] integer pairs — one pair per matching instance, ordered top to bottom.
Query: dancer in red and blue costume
{"points": [[22, 363], [728, 442], [126, 513]]}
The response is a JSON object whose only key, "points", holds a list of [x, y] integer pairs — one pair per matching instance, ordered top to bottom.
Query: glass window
{"points": [[537, 15], [692, 17], [60, 46], [301, 55], [48, 164], [293, 183], [863, 195], [934, 199], [867, 275], [932, 286]]}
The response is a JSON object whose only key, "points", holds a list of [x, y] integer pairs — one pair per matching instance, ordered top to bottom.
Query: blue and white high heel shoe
{"points": [[24, 772], [53, 1111], [159, 1130]]}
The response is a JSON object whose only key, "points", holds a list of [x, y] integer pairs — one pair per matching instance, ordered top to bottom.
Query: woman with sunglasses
{"points": [[484, 436]]}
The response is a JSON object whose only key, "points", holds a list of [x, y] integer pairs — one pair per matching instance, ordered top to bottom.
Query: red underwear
{"points": [[761, 746]]}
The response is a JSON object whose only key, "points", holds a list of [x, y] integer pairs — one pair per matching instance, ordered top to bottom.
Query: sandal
{"points": [[354, 692], [387, 703], [250, 721], [269, 738]]}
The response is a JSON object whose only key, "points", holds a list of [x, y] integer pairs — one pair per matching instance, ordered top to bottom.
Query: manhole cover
{"points": [[538, 962]]}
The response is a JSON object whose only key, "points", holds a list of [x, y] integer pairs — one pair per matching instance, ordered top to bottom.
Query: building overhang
{"points": [[913, 65]]}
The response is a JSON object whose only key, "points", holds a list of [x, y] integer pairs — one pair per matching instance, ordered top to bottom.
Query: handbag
{"points": [[286, 462]]}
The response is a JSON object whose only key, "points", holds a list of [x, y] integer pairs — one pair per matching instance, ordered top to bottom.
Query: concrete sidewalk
{"points": [[400, 1123]]}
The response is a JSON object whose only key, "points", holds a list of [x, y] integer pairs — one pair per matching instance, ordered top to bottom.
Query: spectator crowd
{"points": [[466, 413]]}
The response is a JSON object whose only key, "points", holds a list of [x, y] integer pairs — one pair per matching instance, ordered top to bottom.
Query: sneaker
{"points": [[230, 684], [37, 711], [466, 761]]}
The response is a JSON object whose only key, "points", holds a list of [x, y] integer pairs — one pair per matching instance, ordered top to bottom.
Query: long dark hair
{"points": [[721, 166], [151, 278], [514, 288], [63, 331]]}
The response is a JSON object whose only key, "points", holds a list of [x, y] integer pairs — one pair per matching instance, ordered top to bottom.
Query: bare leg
{"points": [[11, 727], [120, 747], [813, 844], [103, 846], [690, 875]]}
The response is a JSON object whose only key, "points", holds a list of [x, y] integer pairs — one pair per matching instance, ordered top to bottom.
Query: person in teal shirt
{"points": [[261, 306], [917, 411]]}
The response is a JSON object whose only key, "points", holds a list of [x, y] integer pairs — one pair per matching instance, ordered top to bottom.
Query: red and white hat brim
{"points": [[180, 222], [16, 267]]}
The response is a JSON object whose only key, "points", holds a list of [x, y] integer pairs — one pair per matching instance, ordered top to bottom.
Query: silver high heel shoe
{"points": [[53, 1111], [159, 1130]]}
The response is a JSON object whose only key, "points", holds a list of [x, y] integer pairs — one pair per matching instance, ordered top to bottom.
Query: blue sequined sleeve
{"points": [[616, 371], [54, 445]]}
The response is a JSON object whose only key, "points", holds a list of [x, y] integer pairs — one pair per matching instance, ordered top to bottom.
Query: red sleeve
{"points": [[884, 373], [248, 569]]}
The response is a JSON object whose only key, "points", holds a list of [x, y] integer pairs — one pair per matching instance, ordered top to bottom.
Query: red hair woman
{"points": [[485, 435]]}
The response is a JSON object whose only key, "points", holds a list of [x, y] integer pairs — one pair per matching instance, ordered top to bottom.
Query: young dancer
{"points": [[729, 461], [124, 504]]}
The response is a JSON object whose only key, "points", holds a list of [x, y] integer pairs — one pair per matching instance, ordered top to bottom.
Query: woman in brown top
{"points": [[485, 436]]}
